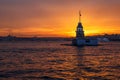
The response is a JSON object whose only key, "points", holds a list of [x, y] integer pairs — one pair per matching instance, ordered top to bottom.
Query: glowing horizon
{"points": [[51, 18]]}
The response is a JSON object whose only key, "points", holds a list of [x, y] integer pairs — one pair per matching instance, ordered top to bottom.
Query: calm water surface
{"points": [[51, 60]]}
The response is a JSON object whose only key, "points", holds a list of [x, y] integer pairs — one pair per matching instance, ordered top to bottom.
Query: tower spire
{"points": [[79, 16]]}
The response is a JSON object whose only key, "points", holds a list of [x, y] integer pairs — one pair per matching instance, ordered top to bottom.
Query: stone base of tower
{"points": [[85, 42]]}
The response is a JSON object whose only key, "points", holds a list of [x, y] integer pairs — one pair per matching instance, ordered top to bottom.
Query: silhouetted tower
{"points": [[79, 31]]}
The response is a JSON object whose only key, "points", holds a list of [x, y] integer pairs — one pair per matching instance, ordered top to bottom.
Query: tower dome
{"points": [[79, 31]]}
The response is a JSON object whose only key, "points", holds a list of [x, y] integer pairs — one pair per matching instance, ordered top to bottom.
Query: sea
{"points": [[58, 60]]}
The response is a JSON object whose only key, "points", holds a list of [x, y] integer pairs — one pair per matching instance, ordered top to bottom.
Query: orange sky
{"points": [[58, 18]]}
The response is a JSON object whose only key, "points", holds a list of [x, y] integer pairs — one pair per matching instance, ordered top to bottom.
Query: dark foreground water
{"points": [[56, 61]]}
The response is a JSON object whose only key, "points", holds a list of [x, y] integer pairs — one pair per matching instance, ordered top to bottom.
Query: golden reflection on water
{"points": [[51, 60]]}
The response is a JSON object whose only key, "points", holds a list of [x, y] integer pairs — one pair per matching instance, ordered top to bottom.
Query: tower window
{"points": [[79, 29], [87, 40]]}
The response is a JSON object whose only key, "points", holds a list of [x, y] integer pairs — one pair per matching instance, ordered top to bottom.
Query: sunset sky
{"points": [[58, 18]]}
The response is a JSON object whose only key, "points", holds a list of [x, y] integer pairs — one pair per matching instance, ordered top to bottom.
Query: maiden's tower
{"points": [[80, 39]]}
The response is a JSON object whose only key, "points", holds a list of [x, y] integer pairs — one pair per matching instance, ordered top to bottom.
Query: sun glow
{"points": [[45, 18]]}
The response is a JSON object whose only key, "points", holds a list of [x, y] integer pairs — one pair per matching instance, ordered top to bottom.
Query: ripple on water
{"points": [[52, 61], [6, 74]]}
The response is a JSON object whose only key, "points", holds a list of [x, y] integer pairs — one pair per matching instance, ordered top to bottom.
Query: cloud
{"points": [[18, 14]]}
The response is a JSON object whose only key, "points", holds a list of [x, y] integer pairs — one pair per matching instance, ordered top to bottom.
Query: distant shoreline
{"points": [[113, 37]]}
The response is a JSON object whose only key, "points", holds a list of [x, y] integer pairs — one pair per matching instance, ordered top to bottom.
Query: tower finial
{"points": [[79, 16]]}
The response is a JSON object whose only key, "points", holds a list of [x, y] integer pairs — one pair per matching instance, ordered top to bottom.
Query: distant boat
{"points": [[103, 39]]}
